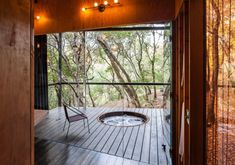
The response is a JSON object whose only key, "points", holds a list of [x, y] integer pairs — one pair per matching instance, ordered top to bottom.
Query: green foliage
{"points": [[144, 55]]}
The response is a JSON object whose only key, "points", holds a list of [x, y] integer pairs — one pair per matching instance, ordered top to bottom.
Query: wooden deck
{"points": [[39, 115], [119, 145]]}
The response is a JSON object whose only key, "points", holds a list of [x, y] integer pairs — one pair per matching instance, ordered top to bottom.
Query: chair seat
{"points": [[76, 118]]}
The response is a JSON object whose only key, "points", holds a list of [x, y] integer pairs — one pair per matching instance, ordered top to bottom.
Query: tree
{"points": [[215, 64], [119, 70]]}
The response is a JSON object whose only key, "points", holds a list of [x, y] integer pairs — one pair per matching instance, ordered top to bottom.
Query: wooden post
{"points": [[60, 70], [197, 71], [16, 83]]}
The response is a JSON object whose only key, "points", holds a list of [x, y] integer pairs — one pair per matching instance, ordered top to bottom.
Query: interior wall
{"points": [[178, 5], [58, 16], [189, 79], [197, 99], [16, 126]]}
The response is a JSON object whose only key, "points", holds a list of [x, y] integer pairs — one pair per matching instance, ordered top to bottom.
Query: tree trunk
{"points": [[215, 69], [119, 70], [90, 95]]}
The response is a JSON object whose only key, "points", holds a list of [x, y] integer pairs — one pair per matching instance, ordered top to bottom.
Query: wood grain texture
{"points": [[178, 5], [61, 16], [189, 43], [197, 73], [183, 77], [15, 83], [141, 143], [53, 153]]}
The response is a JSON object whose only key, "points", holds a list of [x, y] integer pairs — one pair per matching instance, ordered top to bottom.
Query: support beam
{"points": [[60, 70], [197, 81], [16, 83]]}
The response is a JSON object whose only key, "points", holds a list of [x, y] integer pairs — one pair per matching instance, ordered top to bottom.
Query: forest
{"points": [[83, 61], [220, 84]]}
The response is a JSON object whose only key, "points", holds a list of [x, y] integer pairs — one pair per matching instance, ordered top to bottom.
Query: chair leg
{"points": [[84, 123], [64, 125], [88, 125], [68, 130]]}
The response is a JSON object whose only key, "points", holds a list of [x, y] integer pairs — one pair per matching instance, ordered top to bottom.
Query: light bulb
{"points": [[115, 1], [105, 2], [95, 4], [84, 9], [38, 17]]}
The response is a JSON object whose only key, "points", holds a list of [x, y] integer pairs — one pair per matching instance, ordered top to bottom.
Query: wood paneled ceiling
{"points": [[62, 16]]}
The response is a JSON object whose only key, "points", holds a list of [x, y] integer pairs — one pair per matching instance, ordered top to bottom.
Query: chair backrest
{"points": [[66, 112]]}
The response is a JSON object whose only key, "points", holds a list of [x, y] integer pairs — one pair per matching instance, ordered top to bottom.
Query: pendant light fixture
{"points": [[102, 6]]}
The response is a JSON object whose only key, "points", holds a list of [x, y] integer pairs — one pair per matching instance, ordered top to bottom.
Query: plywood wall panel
{"points": [[178, 5], [61, 16], [197, 81], [15, 83]]}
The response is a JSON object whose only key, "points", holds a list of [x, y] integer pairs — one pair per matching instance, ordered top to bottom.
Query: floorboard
{"points": [[139, 145]]}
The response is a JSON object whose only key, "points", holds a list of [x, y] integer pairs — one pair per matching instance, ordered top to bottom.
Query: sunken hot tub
{"points": [[123, 118]]}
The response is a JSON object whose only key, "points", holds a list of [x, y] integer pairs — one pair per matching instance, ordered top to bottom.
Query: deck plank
{"points": [[77, 127], [166, 134], [96, 136], [77, 137], [105, 139], [126, 139], [110, 141], [146, 141], [139, 142], [154, 142], [116, 144], [123, 144], [104, 145], [130, 147], [51, 153], [161, 154]]}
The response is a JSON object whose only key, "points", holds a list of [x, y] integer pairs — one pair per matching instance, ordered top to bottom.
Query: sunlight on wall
{"points": [[220, 82]]}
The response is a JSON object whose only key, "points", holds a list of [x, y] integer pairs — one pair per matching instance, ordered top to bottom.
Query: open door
{"points": [[182, 86]]}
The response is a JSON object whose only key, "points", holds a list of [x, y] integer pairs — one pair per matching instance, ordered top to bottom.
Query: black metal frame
{"points": [[134, 28], [60, 69], [107, 83]]}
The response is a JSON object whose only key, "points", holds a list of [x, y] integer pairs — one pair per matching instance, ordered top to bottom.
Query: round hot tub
{"points": [[123, 118]]}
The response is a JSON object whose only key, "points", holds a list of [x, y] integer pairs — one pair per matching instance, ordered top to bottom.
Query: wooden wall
{"points": [[178, 5], [61, 16], [197, 49], [189, 66], [182, 82], [16, 116]]}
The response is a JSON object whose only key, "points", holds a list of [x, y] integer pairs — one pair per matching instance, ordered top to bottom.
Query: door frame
{"points": [[193, 13]]}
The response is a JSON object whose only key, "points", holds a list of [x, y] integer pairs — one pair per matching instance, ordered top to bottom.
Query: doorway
{"points": [[124, 69]]}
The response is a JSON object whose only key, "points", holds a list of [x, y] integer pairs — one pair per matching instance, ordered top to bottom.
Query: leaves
{"points": [[140, 56]]}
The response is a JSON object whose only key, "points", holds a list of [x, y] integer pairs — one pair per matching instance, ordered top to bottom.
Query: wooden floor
{"points": [[39, 115], [104, 144]]}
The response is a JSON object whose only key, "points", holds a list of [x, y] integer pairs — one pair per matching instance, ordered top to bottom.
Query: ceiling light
{"points": [[106, 3], [95, 4], [102, 6], [38, 17]]}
